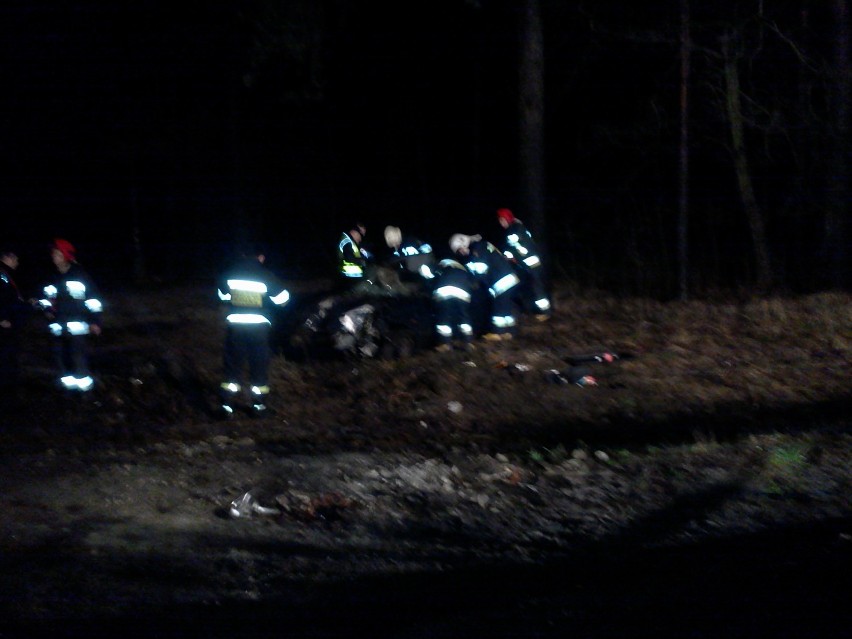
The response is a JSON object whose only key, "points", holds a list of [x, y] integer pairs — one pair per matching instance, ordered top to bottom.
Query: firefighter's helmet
{"points": [[393, 236], [459, 241]]}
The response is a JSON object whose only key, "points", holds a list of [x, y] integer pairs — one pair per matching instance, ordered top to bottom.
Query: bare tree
{"points": [[290, 35], [731, 54], [531, 112], [683, 166], [835, 245], [140, 272]]}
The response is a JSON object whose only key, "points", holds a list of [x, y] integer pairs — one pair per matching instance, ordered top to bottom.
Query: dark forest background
{"points": [[154, 134]]}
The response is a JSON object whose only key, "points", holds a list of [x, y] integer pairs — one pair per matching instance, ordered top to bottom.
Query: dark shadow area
{"points": [[175, 416], [726, 422], [791, 582]]}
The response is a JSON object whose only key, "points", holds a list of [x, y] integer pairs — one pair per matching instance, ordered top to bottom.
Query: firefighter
{"points": [[521, 250], [409, 253], [352, 259], [491, 267], [452, 288], [250, 291], [73, 306], [13, 311]]}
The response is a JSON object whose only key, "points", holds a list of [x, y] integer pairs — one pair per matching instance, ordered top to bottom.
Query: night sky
{"points": [[200, 122]]}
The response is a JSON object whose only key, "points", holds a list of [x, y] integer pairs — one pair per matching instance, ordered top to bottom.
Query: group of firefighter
{"points": [[511, 272], [512, 275], [72, 305]]}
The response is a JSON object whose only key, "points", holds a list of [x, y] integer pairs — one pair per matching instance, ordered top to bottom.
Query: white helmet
{"points": [[393, 236], [459, 241]]}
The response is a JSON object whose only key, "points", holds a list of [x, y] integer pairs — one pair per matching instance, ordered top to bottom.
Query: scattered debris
{"points": [[600, 357], [518, 369], [578, 376], [247, 505], [329, 507]]}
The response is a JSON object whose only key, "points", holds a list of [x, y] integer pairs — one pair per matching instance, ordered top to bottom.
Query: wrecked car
{"points": [[382, 317]]}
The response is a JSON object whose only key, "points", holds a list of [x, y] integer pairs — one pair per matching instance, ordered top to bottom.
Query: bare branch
{"points": [[804, 59]]}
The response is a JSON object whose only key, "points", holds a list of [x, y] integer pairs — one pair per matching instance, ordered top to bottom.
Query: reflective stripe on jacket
{"points": [[351, 262], [251, 291]]}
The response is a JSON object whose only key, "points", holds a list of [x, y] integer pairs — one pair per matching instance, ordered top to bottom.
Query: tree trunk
{"points": [[531, 97], [683, 166], [753, 213], [835, 245], [140, 273]]}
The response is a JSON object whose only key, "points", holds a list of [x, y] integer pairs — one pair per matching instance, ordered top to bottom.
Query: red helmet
{"points": [[505, 214], [66, 248]]}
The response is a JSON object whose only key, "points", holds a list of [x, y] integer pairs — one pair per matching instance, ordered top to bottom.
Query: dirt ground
{"points": [[701, 488]]}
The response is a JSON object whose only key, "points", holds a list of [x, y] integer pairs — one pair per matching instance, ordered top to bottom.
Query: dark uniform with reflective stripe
{"points": [[520, 248], [414, 256], [351, 261], [493, 269], [452, 287], [251, 291], [73, 306], [12, 310]]}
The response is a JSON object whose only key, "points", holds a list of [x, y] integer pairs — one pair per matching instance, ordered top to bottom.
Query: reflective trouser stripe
{"points": [[543, 304], [247, 318], [503, 321], [72, 328], [77, 383]]}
